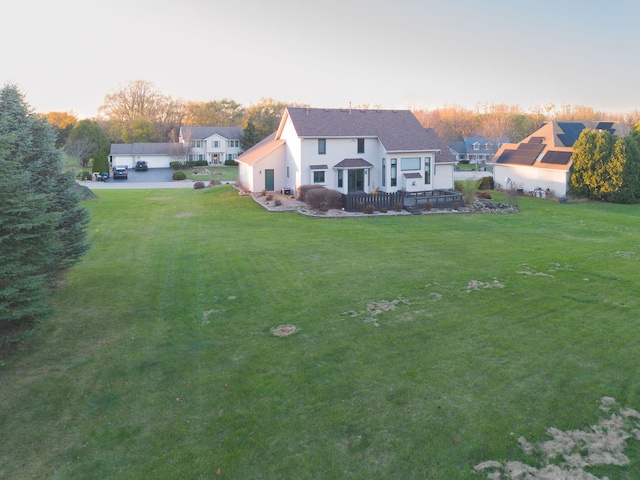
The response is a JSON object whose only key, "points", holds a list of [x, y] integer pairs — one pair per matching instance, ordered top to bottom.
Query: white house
{"points": [[213, 144], [476, 149], [349, 150], [157, 155], [541, 163]]}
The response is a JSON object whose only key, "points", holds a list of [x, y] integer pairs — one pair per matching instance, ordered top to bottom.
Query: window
{"points": [[198, 143], [232, 143], [215, 144], [361, 145], [322, 146], [476, 146], [200, 156], [231, 156], [411, 163], [427, 170], [287, 172], [394, 172], [384, 173], [318, 176], [340, 178]]}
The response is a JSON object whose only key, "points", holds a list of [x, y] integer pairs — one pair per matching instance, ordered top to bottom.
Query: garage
{"points": [[157, 155]]}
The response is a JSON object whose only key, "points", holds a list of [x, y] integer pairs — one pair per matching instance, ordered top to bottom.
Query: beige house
{"points": [[541, 163]]}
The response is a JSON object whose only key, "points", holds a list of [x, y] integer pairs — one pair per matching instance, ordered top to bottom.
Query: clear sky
{"points": [[66, 55]]}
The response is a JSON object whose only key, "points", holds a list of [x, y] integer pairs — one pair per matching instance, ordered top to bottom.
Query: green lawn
{"points": [[223, 173], [427, 344]]}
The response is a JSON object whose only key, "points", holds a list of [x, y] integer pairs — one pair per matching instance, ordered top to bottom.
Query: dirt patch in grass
{"points": [[477, 285], [376, 308], [284, 330], [568, 453]]}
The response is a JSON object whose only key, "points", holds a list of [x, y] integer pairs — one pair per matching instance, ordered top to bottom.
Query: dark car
{"points": [[141, 166], [120, 171]]}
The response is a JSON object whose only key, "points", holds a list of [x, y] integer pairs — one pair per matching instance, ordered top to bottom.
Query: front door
{"points": [[268, 180], [356, 181]]}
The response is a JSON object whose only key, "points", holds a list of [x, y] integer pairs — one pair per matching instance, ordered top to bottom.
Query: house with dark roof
{"points": [[213, 144], [476, 149], [348, 150], [541, 163]]}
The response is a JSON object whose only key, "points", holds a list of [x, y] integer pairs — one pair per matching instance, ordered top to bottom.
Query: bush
{"points": [[464, 162], [200, 163], [230, 163], [176, 165], [84, 175], [179, 175], [215, 182], [486, 183], [198, 185], [304, 189], [485, 195], [269, 198], [323, 199], [278, 202], [360, 206], [428, 206], [455, 206], [399, 207], [369, 209], [383, 210]]}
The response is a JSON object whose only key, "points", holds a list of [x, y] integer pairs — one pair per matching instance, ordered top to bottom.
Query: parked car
{"points": [[141, 166], [120, 171]]}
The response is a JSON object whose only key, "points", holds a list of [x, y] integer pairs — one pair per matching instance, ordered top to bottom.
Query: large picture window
{"points": [[410, 163]]}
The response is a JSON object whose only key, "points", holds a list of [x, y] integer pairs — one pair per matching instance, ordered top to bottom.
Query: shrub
{"points": [[464, 162], [200, 163], [230, 163], [176, 165], [84, 175], [179, 175], [215, 182], [486, 183], [198, 185], [458, 185], [304, 189], [485, 195], [269, 198], [323, 199], [278, 202], [360, 206], [428, 206], [455, 206], [399, 207], [369, 209], [383, 210]]}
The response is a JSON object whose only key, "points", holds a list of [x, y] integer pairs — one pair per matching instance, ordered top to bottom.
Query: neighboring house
{"points": [[213, 144], [476, 149], [349, 150], [157, 155], [541, 163]]}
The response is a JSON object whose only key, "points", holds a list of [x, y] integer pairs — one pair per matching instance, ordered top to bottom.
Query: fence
{"points": [[356, 202]]}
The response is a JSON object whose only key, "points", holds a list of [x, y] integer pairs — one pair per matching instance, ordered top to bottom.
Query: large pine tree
{"points": [[43, 226]]}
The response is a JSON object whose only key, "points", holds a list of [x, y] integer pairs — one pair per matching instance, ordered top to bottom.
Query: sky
{"points": [[66, 55]]}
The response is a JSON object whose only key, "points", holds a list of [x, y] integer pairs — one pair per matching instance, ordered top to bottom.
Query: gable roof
{"points": [[397, 130], [200, 133], [551, 145], [140, 148], [260, 150]]}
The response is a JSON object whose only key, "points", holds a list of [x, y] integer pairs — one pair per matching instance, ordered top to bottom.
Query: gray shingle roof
{"points": [[397, 130], [200, 133], [140, 148], [353, 163]]}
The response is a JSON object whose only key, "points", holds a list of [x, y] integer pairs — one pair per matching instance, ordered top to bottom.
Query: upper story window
{"points": [[215, 143], [232, 143], [361, 145], [322, 146], [476, 146], [410, 163], [427, 170]]}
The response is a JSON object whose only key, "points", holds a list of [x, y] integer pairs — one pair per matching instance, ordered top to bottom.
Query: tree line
{"points": [[43, 226]]}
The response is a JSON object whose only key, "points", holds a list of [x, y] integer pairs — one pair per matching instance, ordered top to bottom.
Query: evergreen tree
{"points": [[251, 136], [43, 226]]}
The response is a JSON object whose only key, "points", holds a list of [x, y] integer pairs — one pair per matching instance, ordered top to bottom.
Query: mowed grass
{"points": [[427, 344]]}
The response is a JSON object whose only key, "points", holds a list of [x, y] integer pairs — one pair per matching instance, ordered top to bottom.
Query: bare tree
{"points": [[81, 149]]}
